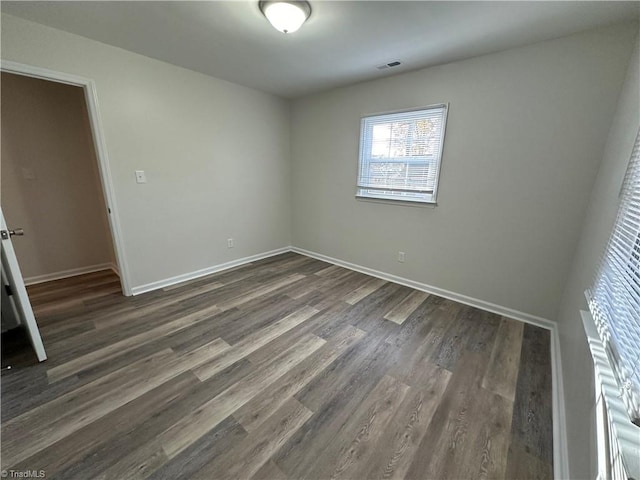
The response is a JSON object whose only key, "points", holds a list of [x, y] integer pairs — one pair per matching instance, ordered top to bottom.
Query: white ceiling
{"points": [[342, 42]]}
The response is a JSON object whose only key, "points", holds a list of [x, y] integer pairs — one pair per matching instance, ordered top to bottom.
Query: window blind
{"points": [[400, 154], [614, 299]]}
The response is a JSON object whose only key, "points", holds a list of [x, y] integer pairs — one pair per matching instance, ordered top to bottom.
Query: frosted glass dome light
{"points": [[287, 17]]}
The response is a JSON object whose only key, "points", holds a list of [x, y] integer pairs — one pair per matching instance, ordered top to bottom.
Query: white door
{"points": [[14, 278]]}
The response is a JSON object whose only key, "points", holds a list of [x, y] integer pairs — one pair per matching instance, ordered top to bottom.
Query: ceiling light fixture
{"points": [[285, 16]]}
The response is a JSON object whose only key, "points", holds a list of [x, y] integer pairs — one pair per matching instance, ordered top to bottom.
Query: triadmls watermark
{"points": [[23, 474]]}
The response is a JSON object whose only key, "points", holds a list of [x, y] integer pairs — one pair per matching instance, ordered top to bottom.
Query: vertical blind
{"points": [[400, 154], [614, 299]]}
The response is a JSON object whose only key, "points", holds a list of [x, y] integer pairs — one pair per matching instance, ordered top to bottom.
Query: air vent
{"points": [[388, 65]]}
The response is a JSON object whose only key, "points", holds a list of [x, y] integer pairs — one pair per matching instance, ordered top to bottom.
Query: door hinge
{"points": [[9, 290]]}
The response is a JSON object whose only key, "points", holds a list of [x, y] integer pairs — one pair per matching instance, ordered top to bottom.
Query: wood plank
{"points": [[328, 271], [364, 291], [258, 292], [409, 305], [264, 311], [368, 313], [120, 318], [324, 324], [483, 334], [454, 339], [253, 342], [123, 346], [502, 372], [337, 376], [19, 397], [334, 409], [256, 411], [208, 416], [532, 417], [44, 425], [225, 437], [127, 443], [353, 446], [73, 448], [257, 449], [394, 452], [441, 452], [486, 456], [138, 465], [521, 465], [269, 471]]}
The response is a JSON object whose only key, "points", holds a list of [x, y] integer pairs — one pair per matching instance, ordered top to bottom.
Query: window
{"points": [[400, 155], [614, 299]]}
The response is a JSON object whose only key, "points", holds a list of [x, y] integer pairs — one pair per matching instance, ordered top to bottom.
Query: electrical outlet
{"points": [[141, 177], [229, 242], [401, 257]]}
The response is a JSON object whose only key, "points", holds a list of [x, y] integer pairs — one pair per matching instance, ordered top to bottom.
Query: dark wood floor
{"points": [[285, 368]]}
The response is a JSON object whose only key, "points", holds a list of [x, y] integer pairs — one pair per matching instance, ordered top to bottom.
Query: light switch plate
{"points": [[141, 177]]}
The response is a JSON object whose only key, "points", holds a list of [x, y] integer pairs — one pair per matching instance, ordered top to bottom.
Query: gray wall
{"points": [[525, 135], [216, 154], [50, 183], [601, 214]]}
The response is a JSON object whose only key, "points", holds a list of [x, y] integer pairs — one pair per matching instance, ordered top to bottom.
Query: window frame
{"points": [[366, 133]]}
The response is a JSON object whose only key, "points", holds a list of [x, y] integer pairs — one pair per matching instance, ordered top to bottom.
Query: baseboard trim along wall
{"points": [[115, 268], [49, 277], [167, 282], [457, 297], [560, 455]]}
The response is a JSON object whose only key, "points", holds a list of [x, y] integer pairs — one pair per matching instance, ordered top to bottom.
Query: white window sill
{"points": [[393, 201]]}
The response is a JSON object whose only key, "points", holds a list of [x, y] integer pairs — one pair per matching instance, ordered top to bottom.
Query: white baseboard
{"points": [[115, 268], [49, 277], [167, 282], [456, 297], [560, 453]]}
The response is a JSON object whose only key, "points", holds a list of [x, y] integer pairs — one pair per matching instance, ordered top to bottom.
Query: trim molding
{"points": [[115, 268], [74, 272], [148, 287], [457, 297], [560, 446], [560, 453]]}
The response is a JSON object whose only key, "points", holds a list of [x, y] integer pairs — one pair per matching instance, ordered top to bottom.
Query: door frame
{"points": [[104, 169]]}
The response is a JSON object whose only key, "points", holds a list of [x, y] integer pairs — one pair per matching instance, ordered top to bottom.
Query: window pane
{"points": [[400, 154]]}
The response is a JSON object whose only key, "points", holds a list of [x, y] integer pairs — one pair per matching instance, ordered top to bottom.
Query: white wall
{"points": [[525, 135], [216, 154], [50, 183], [601, 214]]}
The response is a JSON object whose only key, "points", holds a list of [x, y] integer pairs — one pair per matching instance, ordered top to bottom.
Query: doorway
{"points": [[56, 187]]}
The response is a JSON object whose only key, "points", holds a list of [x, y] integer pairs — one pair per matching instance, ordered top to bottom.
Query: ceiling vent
{"points": [[388, 65]]}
